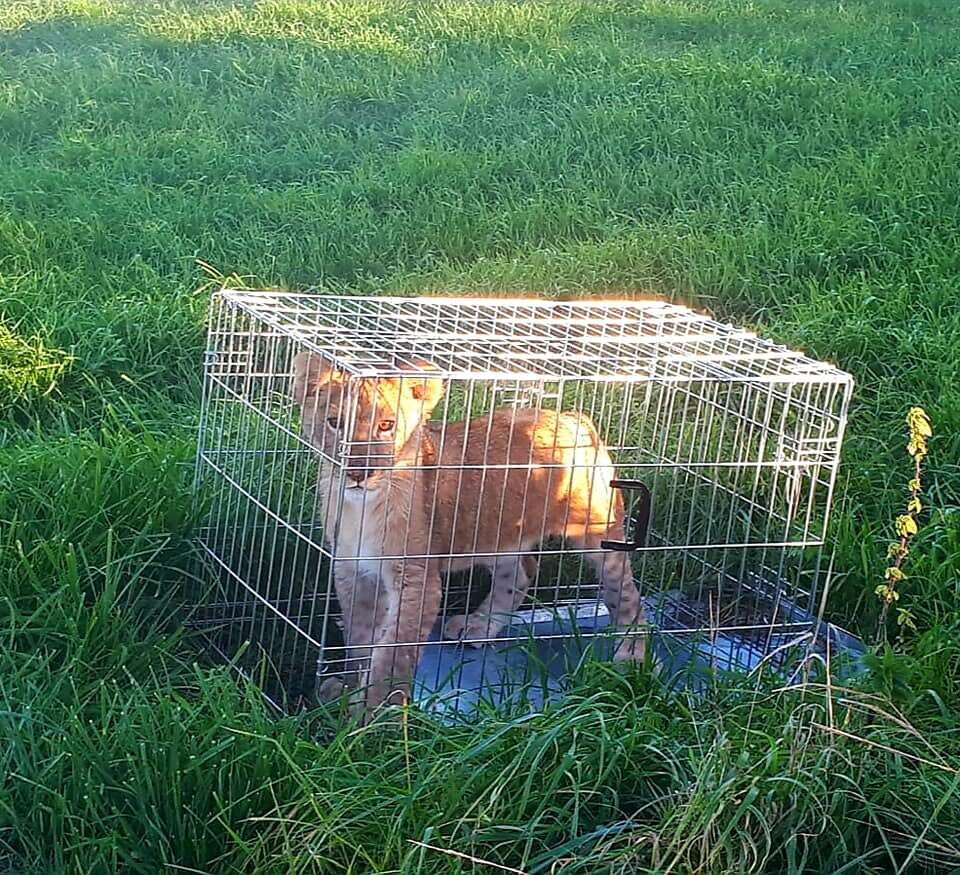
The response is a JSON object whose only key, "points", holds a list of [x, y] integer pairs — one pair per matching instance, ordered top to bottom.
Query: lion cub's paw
{"points": [[471, 629], [633, 648]]}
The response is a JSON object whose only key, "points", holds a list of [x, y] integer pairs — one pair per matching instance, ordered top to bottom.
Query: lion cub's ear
{"points": [[310, 372], [427, 390]]}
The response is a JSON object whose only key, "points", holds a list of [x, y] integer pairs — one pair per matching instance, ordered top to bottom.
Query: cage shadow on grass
{"points": [[249, 625]]}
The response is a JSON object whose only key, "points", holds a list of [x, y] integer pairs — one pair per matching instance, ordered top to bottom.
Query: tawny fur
{"points": [[412, 495]]}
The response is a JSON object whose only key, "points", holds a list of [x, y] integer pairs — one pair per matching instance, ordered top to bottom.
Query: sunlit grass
{"points": [[794, 167], [28, 369]]}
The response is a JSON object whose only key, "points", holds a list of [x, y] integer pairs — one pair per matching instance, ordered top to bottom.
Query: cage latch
{"points": [[640, 516]]}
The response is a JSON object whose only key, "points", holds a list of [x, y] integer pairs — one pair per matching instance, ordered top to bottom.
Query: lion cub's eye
{"points": [[333, 421], [385, 425]]}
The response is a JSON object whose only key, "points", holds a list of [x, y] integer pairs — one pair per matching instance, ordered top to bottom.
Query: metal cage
{"points": [[724, 449]]}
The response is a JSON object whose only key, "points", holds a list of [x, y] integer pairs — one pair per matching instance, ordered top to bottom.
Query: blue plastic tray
{"points": [[534, 666]]}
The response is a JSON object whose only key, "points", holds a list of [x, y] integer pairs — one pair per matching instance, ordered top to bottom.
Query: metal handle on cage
{"points": [[640, 516]]}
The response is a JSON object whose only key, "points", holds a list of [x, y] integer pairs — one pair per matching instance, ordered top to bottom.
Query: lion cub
{"points": [[419, 502]]}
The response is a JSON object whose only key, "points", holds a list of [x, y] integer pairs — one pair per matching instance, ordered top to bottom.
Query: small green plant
{"points": [[920, 429]]}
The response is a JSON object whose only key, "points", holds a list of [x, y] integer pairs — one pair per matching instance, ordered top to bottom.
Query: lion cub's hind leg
{"points": [[510, 580], [620, 595]]}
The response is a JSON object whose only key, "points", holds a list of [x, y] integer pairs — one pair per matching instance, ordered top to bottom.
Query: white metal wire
{"points": [[736, 439]]}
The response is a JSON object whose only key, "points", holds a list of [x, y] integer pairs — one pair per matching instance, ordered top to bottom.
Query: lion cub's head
{"points": [[387, 412]]}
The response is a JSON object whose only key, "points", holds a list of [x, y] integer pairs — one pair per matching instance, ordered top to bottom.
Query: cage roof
{"points": [[525, 339]]}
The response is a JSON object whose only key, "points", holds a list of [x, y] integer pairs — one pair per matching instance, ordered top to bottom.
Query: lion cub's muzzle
{"points": [[371, 459], [357, 475]]}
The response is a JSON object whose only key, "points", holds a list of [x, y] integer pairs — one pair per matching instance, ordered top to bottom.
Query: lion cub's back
{"points": [[518, 475]]}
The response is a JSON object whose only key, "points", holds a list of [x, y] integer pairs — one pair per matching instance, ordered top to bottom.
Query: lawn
{"points": [[790, 165]]}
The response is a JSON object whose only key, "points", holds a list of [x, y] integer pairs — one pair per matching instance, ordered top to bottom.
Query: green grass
{"points": [[792, 166], [28, 370]]}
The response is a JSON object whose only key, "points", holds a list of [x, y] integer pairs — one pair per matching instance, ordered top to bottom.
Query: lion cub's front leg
{"points": [[414, 593], [362, 600], [385, 619]]}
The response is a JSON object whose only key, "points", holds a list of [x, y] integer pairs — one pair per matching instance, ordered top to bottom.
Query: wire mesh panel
{"points": [[425, 488]]}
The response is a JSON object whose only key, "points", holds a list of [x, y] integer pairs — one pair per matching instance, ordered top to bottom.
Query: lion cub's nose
{"points": [[357, 475]]}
